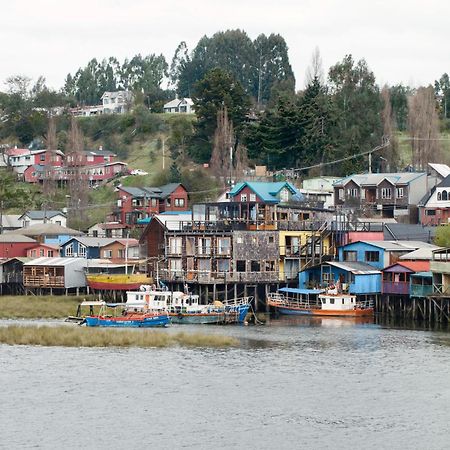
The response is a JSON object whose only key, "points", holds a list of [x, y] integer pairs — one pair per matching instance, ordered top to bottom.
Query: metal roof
{"points": [[442, 169], [374, 179], [39, 215], [48, 229], [9, 236], [92, 241], [425, 253], [59, 261], [357, 268], [422, 274], [301, 291]]}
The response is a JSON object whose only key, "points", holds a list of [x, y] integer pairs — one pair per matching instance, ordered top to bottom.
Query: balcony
{"points": [[396, 288], [419, 290]]}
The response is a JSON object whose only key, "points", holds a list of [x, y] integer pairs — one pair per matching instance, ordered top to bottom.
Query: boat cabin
{"points": [[147, 299], [340, 302]]}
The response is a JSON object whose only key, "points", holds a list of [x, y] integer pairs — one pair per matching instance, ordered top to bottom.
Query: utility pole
{"points": [[1, 216]]}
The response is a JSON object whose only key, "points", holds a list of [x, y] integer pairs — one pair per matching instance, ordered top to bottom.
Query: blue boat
{"points": [[133, 320]]}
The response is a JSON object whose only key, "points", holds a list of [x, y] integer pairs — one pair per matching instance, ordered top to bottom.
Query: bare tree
{"points": [[315, 69], [424, 127], [51, 143], [222, 152], [390, 155], [240, 161], [78, 181]]}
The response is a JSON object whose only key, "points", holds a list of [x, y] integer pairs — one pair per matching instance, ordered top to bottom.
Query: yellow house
{"points": [[301, 248]]}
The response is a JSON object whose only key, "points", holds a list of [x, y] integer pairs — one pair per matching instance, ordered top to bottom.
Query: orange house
{"points": [[43, 250], [121, 250]]}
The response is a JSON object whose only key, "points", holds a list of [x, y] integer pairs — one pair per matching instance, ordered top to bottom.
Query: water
{"points": [[306, 383]]}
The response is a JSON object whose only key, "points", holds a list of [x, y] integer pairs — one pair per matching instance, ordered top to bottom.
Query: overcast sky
{"points": [[402, 41]]}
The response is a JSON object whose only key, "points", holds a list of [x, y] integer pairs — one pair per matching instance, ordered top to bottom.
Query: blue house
{"points": [[265, 192], [84, 247], [378, 254], [355, 277]]}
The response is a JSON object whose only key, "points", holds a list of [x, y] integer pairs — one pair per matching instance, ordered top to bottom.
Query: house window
{"points": [[42, 157], [90, 158], [353, 192], [400, 192], [386, 193], [341, 194], [363, 194], [444, 195], [284, 196], [439, 196], [243, 197], [253, 197], [154, 202], [179, 202], [430, 212], [58, 222], [95, 233], [271, 239], [175, 245], [204, 246], [223, 246], [69, 250], [82, 251], [41, 252], [33, 253], [107, 253], [121, 253], [50, 254], [350, 255], [372, 256], [204, 265], [223, 265], [175, 266], [240, 266], [255, 266], [269, 266], [326, 277], [331, 301]]}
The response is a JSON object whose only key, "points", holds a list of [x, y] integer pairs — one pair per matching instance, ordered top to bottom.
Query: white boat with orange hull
{"points": [[317, 302]]}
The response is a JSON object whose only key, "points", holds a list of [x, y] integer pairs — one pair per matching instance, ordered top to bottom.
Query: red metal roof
{"points": [[413, 266]]}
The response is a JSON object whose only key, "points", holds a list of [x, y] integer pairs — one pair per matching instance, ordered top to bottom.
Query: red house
{"points": [[98, 157], [138, 203], [14, 245], [43, 250]]}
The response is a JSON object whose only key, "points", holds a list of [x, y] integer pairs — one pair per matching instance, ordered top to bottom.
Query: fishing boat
{"points": [[319, 302], [185, 308], [141, 311]]}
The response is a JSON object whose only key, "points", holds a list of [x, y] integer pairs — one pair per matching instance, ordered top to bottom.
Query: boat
{"points": [[116, 281], [319, 302], [185, 308], [140, 311]]}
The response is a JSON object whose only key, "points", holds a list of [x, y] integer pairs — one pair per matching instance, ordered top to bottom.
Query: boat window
{"points": [[323, 301], [332, 301], [342, 301]]}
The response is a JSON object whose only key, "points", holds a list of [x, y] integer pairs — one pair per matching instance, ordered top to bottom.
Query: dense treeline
{"points": [[251, 84]]}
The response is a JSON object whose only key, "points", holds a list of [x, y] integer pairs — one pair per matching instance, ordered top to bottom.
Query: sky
{"points": [[402, 41]]}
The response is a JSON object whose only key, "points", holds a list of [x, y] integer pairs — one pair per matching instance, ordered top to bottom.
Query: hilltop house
{"points": [[118, 102], [179, 105], [384, 194], [138, 203], [30, 218]]}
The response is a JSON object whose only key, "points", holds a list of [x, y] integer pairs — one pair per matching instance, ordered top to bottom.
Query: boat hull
{"points": [[117, 282], [320, 312], [197, 319], [127, 322]]}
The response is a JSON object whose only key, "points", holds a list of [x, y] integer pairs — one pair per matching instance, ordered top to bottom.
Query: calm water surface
{"points": [[307, 383]]}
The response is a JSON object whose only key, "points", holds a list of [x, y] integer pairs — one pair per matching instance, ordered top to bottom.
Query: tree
{"points": [[179, 60], [315, 69], [217, 90], [442, 91], [398, 95], [358, 105], [424, 127], [181, 130], [222, 152], [390, 154], [174, 173], [442, 238]]}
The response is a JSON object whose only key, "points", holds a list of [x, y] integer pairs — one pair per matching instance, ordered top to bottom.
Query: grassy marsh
{"points": [[38, 307], [75, 336]]}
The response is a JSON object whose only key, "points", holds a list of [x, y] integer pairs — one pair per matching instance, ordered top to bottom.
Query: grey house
{"points": [[385, 195]]}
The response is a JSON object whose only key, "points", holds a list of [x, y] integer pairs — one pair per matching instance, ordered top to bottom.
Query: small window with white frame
{"points": [[400, 192], [243, 197]]}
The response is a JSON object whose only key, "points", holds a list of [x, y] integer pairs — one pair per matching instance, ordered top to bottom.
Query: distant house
{"points": [[118, 102], [180, 105], [22, 159], [436, 173], [264, 192], [383, 194], [138, 203], [434, 208], [44, 216], [9, 222], [109, 230], [48, 233], [14, 245], [84, 247], [43, 250], [120, 250], [55, 274], [11, 275], [396, 277]]}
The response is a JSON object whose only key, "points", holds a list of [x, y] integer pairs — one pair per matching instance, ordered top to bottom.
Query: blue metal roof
{"points": [[266, 191], [422, 274], [302, 291]]}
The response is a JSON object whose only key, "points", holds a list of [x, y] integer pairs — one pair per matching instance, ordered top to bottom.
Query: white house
{"points": [[118, 102], [180, 105], [39, 217]]}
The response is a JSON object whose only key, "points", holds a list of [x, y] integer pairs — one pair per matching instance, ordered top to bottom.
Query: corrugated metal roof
{"points": [[374, 179], [267, 191], [39, 215], [49, 229], [8, 236], [92, 241], [425, 253], [59, 261], [413, 266], [357, 268]]}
